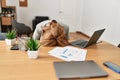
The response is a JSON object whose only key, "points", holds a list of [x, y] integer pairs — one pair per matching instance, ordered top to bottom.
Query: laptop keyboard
{"points": [[79, 42], [82, 43]]}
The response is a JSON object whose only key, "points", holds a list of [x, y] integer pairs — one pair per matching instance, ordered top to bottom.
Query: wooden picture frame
{"points": [[3, 3], [23, 3]]}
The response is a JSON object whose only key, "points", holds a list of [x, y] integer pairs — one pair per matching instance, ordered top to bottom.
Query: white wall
{"points": [[35, 8], [49, 8], [69, 13], [99, 14], [79, 15]]}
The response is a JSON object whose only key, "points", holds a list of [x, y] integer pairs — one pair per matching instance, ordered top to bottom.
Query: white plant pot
{"points": [[10, 41], [33, 54]]}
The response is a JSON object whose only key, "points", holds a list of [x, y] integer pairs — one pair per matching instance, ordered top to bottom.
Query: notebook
{"points": [[83, 43], [79, 69]]}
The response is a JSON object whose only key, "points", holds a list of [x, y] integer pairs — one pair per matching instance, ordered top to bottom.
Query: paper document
{"points": [[69, 53]]}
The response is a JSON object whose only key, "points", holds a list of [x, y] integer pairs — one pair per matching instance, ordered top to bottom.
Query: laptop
{"points": [[83, 43], [79, 69]]}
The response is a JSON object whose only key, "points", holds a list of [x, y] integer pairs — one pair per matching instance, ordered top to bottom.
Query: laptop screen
{"points": [[94, 38]]}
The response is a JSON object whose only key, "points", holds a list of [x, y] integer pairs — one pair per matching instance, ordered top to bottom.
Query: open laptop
{"points": [[83, 43], [79, 69]]}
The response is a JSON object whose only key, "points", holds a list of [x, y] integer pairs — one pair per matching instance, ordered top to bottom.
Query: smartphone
{"points": [[14, 47], [112, 66]]}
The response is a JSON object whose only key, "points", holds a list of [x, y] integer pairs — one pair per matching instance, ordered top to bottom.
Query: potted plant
{"points": [[11, 37], [33, 47]]}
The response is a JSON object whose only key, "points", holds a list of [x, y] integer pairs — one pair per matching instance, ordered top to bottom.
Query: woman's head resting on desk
{"points": [[53, 35]]}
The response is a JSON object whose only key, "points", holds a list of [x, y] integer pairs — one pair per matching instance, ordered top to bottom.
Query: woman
{"points": [[51, 33]]}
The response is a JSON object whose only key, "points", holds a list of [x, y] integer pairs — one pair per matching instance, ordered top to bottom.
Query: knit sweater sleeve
{"points": [[37, 33]]}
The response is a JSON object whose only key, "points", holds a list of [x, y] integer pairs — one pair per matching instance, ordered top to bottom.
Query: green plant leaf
{"points": [[11, 34], [32, 44]]}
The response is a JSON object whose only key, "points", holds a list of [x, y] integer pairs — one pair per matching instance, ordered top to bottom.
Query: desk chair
{"points": [[37, 20], [21, 28], [2, 36]]}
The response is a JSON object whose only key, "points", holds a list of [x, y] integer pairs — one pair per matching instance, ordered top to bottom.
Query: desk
{"points": [[15, 65]]}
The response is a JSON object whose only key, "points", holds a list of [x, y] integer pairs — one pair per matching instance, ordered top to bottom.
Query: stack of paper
{"points": [[69, 53]]}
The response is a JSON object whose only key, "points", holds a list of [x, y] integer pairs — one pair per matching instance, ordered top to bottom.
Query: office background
{"points": [[82, 15]]}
